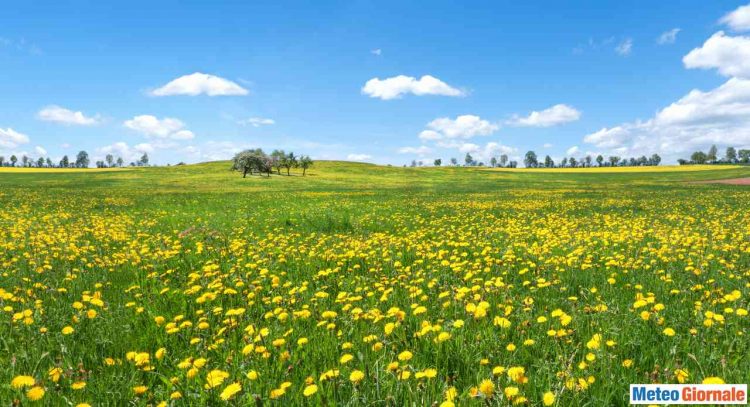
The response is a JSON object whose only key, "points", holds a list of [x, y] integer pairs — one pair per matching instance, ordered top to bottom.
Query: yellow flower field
{"points": [[356, 287]]}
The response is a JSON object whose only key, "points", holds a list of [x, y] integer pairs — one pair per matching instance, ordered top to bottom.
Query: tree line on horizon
{"points": [[731, 156], [82, 160], [256, 161], [469, 161], [531, 161]]}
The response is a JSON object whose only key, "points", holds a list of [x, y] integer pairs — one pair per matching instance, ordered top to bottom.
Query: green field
{"points": [[369, 285]]}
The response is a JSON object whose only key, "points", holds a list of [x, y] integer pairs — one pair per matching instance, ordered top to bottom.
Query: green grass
{"points": [[197, 241]]}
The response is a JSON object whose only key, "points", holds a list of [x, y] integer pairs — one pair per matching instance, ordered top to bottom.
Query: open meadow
{"points": [[369, 285]]}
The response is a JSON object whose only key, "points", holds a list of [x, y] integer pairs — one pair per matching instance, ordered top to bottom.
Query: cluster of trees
{"points": [[731, 156], [81, 161], [256, 161], [469, 161], [531, 161], [110, 162]]}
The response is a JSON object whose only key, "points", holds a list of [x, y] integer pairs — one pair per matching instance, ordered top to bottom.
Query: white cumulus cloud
{"points": [[739, 19], [729, 55], [200, 83], [397, 86], [54, 113], [552, 116], [719, 116], [699, 119], [462, 127], [166, 128], [608, 137], [10, 138], [40, 150], [421, 150], [358, 157]]}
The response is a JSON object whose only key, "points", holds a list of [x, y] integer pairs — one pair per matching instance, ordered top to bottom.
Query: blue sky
{"points": [[194, 81]]}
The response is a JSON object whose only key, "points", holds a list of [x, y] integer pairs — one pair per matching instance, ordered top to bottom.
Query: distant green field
{"points": [[370, 285]]}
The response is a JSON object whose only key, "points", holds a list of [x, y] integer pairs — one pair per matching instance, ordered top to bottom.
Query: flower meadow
{"points": [[359, 286]]}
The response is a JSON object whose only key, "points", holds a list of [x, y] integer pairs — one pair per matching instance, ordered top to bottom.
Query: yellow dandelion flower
{"points": [[405, 356], [346, 358], [681, 375], [356, 376], [19, 382], [78, 385], [487, 387], [310, 390], [230, 391], [511, 392], [35, 393]]}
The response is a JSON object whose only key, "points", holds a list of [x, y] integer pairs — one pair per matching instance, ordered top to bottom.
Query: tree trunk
{"points": [[304, 170], [287, 171], [244, 173]]}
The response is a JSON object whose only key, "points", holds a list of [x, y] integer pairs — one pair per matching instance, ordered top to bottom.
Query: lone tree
{"points": [[712, 152], [731, 155], [277, 159], [655, 159], [13, 160], [82, 160], [468, 160], [503, 160], [530, 160], [599, 160], [289, 161], [454, 161], [143, 162], [305, 162], [438, 162], [493, 162], [548, 162]]}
